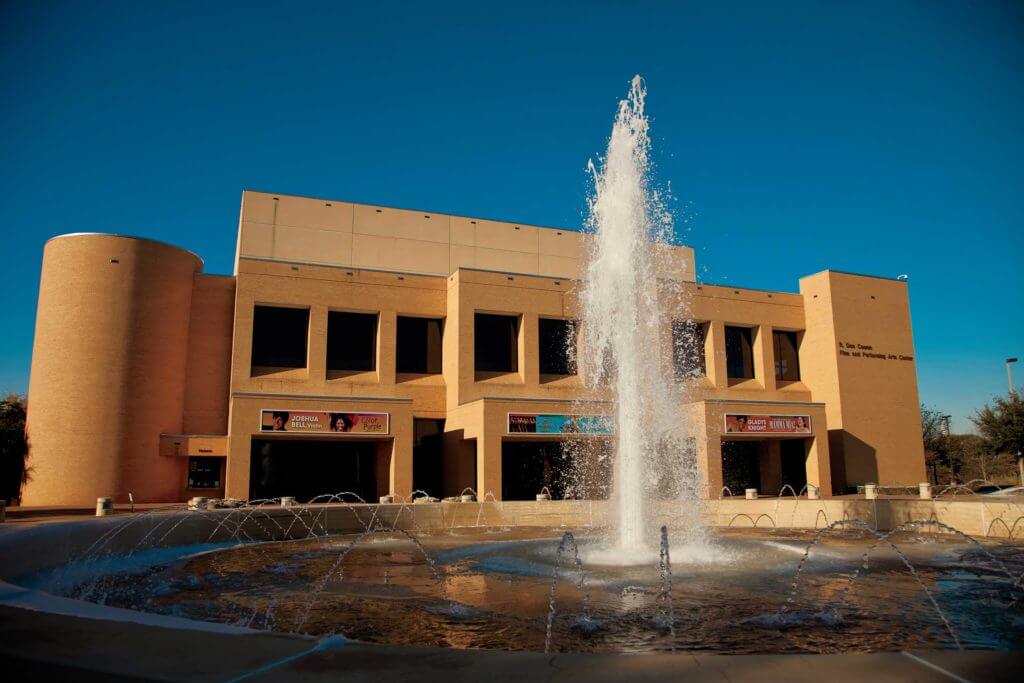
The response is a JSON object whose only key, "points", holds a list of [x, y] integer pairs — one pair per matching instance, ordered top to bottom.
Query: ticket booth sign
{"points": [[315, 422], [767, 424]]}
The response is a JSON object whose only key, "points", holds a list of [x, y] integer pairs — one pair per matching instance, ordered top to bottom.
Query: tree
{"points": [[1002, 426], [936, 444], [13, 448], [974, 459]]}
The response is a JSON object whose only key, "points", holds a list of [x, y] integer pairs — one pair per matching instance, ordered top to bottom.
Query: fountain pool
{"points": [[491, 588]]}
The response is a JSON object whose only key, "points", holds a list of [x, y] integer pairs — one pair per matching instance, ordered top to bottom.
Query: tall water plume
{"points": [[631, 291]]}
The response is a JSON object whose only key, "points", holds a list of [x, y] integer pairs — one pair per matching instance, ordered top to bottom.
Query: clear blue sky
{"points": [[880, 138]]}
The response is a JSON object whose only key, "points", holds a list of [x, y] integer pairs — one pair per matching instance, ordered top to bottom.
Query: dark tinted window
{"points": [[279, 337], [351, 341], [557, 342], [418, 345], [497, 345], [688, 348], [739, 352], [787, 361], [204, 473]]}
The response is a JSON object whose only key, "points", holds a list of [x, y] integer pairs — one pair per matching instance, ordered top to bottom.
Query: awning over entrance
{"points": [[185, 445]]}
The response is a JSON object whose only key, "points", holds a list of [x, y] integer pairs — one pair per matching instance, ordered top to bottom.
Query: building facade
{"points": [[384, 351]]}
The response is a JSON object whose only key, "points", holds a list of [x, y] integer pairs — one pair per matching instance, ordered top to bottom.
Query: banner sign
{"points": [[310, 421], [546, 423], [767, 424]]}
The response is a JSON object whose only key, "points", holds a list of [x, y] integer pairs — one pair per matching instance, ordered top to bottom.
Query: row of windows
{"points": [[280, 340], [688, 340], [497, 344]]}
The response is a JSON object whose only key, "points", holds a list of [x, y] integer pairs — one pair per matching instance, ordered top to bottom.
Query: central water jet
{"points": [[630, 281]]}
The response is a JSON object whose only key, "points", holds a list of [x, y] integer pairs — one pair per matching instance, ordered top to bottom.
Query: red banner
{"points": [[306, 421], [767, 424]]}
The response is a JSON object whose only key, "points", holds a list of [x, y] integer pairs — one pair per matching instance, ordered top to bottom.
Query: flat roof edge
{"points": [[128, 237], [315, 264], [512, 272], [846, 272], [321, 397]]}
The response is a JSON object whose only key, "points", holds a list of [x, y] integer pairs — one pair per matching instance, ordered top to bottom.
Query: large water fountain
{"points": [[626, 287], [643, 572]]}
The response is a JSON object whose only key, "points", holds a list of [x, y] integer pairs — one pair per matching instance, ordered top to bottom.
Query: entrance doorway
{"points": [[428, 456], [794, 463], [308, 468], [741, 468], [568, 469]]}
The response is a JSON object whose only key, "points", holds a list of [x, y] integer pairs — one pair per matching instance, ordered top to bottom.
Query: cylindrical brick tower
{"points": [[108, 369]]}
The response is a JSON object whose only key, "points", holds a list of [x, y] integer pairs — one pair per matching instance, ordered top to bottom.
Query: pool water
{"points": [[491, 588]]}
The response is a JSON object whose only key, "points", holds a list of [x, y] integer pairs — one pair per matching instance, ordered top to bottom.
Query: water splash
{"points": [[632, 286], [667, 607], [585, 623]]}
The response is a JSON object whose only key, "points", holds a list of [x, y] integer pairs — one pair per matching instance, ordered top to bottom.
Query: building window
{"points": [[279, 337], [351, 341], [497, 343], [418, 346], [557, 346], [688, 348], [739, 352], [787, 361], [428, 456], [203, 473]]}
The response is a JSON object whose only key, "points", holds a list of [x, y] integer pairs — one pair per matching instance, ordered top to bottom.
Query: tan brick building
{"points": [[343, 354]]}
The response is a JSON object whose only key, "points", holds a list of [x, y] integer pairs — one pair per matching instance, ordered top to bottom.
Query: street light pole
{"points": [[1013, 397]]}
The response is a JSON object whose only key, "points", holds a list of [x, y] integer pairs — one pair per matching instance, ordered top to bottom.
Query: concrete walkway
{"points": [[40, 646]]}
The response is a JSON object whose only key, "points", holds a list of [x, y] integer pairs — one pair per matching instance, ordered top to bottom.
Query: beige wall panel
{"points": [[258, 207], [313, 213], [414, 225], [463, 231], [506, 236], [256, 239], [564, 243], [316, 246], [411, 256], [461, 256], [507, 261], [558, 266]]}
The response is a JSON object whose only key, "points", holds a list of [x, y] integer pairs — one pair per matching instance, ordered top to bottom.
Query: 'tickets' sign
{"points": [[308, 421], [545, 423], [767, 424]]}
